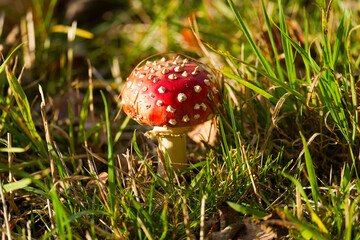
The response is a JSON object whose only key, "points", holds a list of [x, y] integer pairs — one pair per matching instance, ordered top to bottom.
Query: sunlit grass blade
{"points": [[78, 32], [338, 41], [273, 45], [307, 48], [326, 48], [288, 52], [306, 56], [2, 66], [268, 68], [350, 72], [274, 80], [251, 86], [330, 92], [25, 110], [225, 146], [136, 147], [14, 149], [311, 172], [34, 178], [345, 182], [20, 184], [299, 187], [350, 212], [256, 213], [315, 218], [307, 230]]}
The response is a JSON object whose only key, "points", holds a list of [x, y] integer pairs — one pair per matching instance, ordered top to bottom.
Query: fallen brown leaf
{"points": [[204, 132], [102, 178], [230, 226], [272, 226], [227, 233]]}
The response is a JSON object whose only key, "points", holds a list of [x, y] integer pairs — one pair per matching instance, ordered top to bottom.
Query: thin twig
{"points": [[31, 36], [70, 53], [116, 72], [91, 93], [47, 134], [244, 155], [10, 158], [130, 160], [121, 172], [11, 201], [5, 211], [51, 214], [202, 218], [186, 219], [143, 227], [28, 228]]}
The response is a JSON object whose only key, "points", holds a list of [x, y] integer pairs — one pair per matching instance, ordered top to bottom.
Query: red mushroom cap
{"points": [[170, 93]]}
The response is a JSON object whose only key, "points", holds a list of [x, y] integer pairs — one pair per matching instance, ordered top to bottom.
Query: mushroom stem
{"points": [[172, 142], [175, 146]]}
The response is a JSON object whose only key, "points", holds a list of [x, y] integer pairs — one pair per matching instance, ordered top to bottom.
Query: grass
{"points": [[72, 165]]}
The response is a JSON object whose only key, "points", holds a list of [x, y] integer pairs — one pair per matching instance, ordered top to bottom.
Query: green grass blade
{"points": [[49, 12], [338, 40], [273, 45], [307, 48], [327, 56], [289, 57], [306, 57], [2, 66], [268, 68], [274, 80], [251, 86], [330, 93], [24, 106], [83, 115], [235, 128], [121, 129], [71, 130], [225, 145], [136, 147], [13, 149], [111, 166], [311, 173], [33, 178], [345, 181], [20, 184], [299, 187], [247, 210], [351, 211], [85, 213], [314, 216], [61, 219], [164, 222], [307, 230]]}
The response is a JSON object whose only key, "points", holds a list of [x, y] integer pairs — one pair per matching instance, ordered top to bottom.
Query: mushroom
{"points": [[173, 95]]}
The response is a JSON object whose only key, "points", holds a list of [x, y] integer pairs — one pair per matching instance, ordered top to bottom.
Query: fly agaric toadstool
{"points": [[172, 95]]}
